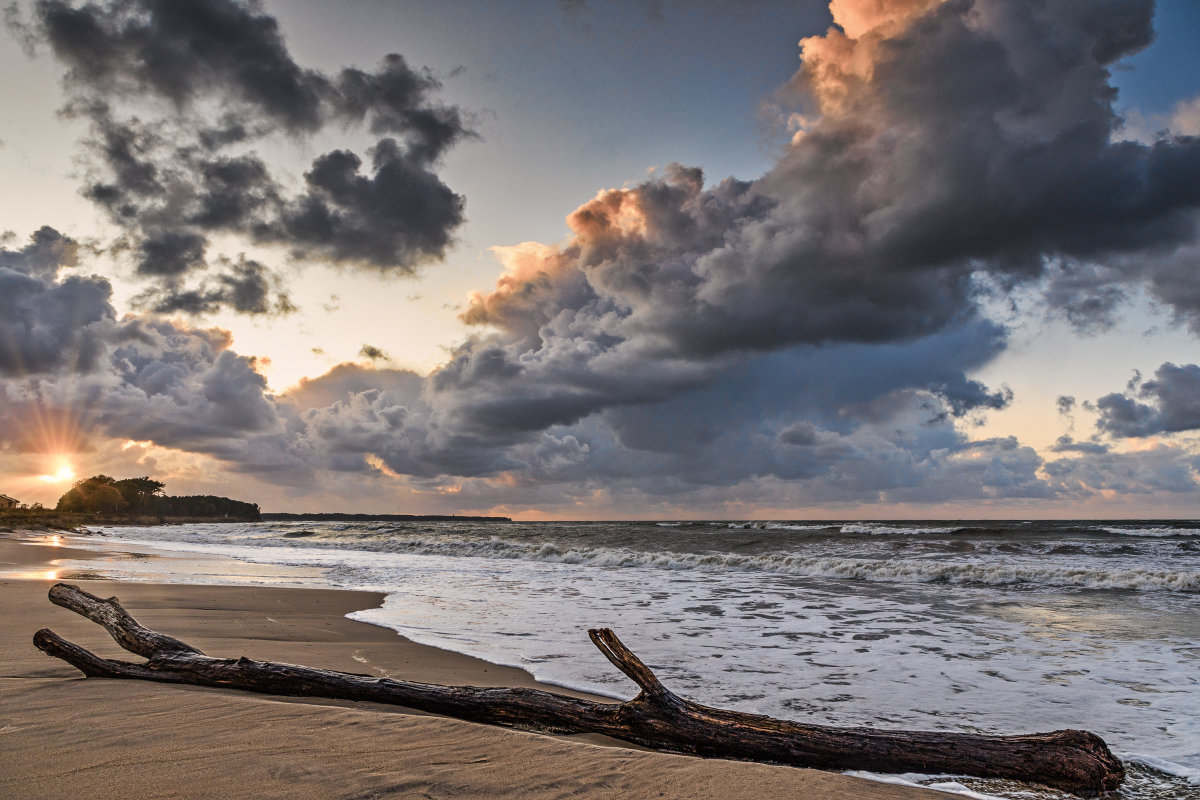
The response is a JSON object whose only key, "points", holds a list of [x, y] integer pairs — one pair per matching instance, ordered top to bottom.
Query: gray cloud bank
{"points": [[179, 95], [806, 337], [1174, 404]]}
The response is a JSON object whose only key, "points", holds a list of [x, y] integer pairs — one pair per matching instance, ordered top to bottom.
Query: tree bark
{"points": [[1071, 760]]}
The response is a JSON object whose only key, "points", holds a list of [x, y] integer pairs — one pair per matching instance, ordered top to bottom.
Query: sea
{"points": [[996, 627]]}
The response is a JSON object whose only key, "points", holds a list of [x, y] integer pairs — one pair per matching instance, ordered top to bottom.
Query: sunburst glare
{"points": [[64, 475]]}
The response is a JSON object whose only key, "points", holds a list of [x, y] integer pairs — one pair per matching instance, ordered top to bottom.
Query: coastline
{"points": [[65, 735]]}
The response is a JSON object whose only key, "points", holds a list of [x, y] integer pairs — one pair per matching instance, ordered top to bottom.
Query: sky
{"points": [[589, 260]]}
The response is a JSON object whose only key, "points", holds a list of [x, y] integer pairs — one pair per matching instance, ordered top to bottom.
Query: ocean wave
{"points": [[778, 526], [787, 526], [879, 529], [1153, 533], [876, 570], [1007, 572], [1189, 774], [938, 785]]}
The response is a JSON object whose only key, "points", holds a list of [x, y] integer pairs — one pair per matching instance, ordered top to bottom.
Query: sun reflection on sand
{"points": [[34, 575]]}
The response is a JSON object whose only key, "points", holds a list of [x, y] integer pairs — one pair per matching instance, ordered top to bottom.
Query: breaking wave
{"points": [[879, 529], [1152, 532], [1065, 567], [866, 569]]}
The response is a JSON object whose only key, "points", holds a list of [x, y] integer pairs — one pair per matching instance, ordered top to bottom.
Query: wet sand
{"points": [[63, 735]]}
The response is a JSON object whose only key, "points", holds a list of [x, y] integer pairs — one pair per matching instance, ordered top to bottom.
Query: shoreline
{"points": [[65, 735]]}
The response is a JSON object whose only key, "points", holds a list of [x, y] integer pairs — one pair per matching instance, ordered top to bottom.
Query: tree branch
{"points": [[1071, 760]]}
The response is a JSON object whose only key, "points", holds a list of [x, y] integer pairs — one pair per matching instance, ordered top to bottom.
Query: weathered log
{"points": [[1071, 760]]}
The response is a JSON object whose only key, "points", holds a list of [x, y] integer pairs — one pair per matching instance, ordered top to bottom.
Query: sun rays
{"points": [[64, 474]]}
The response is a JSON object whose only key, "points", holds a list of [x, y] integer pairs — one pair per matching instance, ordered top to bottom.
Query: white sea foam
{"points": [[784, 526], [880, 529], [1152, 533], [890, 570], [895, 570], [1034, 571], [974, 632], [1190, 774], [936, 783]]}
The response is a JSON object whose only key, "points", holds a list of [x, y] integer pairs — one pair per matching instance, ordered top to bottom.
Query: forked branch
{"points": [[1072, 760]]}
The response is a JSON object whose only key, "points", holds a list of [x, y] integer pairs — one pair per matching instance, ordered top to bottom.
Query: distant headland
{"points": [[102, 500], [141, 501]]}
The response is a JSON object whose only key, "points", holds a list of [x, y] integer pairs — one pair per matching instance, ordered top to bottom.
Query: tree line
{"points": [[101, 494]]}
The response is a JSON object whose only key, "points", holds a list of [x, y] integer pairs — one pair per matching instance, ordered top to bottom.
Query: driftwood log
{"points": [[1071, 760]]}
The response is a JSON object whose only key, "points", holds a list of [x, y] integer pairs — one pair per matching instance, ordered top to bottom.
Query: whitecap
{"points": [[1154, 532]]}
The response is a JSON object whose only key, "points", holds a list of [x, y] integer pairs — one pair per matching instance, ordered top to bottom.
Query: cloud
{"points": [[179, 97], [946, 148], [947, 151], [949, 155], [393, 220], [48, 251], [246, 286], [47, 325], [809, 337], [373, 353], [72, 373], [1173, 404], [1067, 444], [1162, 468]]}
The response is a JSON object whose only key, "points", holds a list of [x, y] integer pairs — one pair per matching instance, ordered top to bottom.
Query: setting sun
{"points": [[64, 475]]}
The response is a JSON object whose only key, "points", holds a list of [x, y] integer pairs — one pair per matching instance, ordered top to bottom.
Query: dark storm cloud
{"points": [[179, 51], [185, 52], [148, 75], [395, 100], [952, 146], [988, 147], [954, 150], [394, 219], [47, 252], [171, 253], [1172, 280], [246, 286], [1087, 295], [820, 323], [46, 325], [809, 336], [72, 372], [153, 381], [184, 388], [1172, 404], [800, 414], [356, 418], [1066, 444], [1141, 472]]}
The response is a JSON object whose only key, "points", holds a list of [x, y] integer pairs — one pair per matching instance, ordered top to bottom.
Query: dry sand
{"points": [[66, 736]]}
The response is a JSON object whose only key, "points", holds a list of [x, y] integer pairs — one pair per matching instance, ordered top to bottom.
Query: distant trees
{"points": [[140, 493], [95, 494], [143, 496], [207, 505]]}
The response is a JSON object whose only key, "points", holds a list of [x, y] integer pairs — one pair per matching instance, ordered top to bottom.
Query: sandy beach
{"points": [[62, 735]]}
